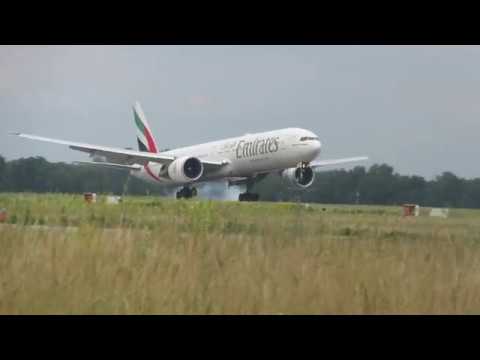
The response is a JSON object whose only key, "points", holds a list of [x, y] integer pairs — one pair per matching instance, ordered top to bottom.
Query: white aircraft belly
{"points": [[263, 163]]}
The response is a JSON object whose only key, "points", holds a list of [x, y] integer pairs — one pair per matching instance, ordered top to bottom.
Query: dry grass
{"points": [[199, 257]]}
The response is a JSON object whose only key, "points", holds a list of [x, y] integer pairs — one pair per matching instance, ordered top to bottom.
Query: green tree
{"points": [[3, 173], [377, 185]]}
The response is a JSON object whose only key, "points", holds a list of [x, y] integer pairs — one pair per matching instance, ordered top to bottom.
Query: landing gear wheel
{"points": [[186, 193], [181, 194], [248, 197]]}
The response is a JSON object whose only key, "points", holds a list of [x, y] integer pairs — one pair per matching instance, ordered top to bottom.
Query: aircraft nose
{"points": [[316, 147]]}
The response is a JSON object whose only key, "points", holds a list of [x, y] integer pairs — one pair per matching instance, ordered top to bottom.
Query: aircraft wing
{"points": [[113, 155], [117, 155], [321, 163]]}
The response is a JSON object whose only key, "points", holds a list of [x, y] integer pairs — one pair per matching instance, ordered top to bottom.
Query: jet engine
{"points": [[185, 169], [302, 176]]}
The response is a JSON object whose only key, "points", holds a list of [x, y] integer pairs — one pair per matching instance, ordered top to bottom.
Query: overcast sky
{"points": [[416, 108]]}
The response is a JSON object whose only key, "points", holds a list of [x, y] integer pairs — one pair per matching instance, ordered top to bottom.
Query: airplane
{"points": [[292, 153]]}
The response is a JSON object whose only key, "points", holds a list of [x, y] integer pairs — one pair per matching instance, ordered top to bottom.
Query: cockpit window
{"points": [[307, 138]]}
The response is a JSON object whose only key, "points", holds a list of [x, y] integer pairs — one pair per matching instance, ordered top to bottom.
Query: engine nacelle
{"points": [[185, 169], [300, 176]]}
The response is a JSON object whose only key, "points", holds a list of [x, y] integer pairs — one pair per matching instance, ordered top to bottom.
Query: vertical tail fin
{"points": [[145, 139]]}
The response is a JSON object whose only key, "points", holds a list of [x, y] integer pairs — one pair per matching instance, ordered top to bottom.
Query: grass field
{"points": [[160, 256]]}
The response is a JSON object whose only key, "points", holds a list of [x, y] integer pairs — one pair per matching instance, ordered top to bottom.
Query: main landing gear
{"points": [[187, 193], [247, 195]]}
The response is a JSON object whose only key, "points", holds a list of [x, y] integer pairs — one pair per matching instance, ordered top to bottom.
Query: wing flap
{"points": [[109, 165]]}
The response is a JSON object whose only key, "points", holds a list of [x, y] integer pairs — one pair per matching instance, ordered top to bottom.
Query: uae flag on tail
{"points": [[145, 139]]}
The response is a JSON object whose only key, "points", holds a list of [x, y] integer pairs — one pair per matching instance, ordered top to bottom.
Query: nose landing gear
{"points": [[187, 192]]}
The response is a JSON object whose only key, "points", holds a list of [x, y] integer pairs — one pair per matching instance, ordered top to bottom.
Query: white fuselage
{"points": [[248, 155]]}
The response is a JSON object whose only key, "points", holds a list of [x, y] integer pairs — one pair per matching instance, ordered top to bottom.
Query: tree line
{"points": [[378, 184]]}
